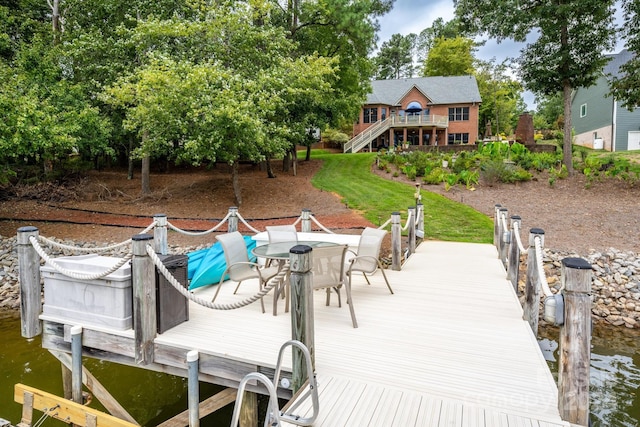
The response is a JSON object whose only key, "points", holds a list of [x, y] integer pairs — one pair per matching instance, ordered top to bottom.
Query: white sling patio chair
{"points": [[282, 233], [367, 258], [239, 267], [328, 273]]}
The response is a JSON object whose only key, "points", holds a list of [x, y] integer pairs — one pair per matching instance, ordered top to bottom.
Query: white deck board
{"points": [[448, 348]]}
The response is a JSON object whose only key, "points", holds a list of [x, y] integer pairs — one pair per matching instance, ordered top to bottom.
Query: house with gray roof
{"points": [[418, 111], [599, 120]]}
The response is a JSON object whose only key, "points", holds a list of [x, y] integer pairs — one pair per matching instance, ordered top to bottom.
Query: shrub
{"points": [[435, 176]]}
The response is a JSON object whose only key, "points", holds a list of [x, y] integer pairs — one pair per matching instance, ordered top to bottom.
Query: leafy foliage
{"points": [[450, 57], [395, 59]]}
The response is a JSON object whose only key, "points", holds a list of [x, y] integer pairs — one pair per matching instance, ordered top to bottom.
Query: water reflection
{"points": [[614, 377]]}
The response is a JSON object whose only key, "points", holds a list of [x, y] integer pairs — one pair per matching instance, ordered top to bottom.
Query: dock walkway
{"points": [[449, 348]]}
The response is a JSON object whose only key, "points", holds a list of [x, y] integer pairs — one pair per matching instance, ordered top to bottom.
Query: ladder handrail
{"points": [[274, 415]]}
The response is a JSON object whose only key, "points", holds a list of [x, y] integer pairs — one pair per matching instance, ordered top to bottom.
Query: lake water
{"points": [[615, 379]]}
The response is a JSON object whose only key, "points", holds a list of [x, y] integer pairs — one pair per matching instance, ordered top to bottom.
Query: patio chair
{"points": [[282, 233], [367, 258], [239, 267], [328, 273]]}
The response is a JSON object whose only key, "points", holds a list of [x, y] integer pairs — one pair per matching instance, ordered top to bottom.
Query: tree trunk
{"points": [[55, 20], [567, 154], [294, 155], [308, 155], [130, 159], [286, 162], [270, 173], [145, 175], [236, 184]]}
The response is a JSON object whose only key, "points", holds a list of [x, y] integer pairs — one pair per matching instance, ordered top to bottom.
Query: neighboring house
{"points": [[418, 111], [599, 120]]}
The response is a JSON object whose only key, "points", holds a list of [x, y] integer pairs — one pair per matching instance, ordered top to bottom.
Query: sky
{"points": [[413, 16]]}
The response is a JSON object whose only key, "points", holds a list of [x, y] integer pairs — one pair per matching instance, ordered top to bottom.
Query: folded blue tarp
{"points": [[207, 265]]}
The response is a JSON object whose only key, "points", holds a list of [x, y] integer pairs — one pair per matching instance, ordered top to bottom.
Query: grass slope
{"points": [[349, 175]]}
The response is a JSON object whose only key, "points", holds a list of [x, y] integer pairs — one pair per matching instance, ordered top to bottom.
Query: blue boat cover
{"points": [[206, 266]]}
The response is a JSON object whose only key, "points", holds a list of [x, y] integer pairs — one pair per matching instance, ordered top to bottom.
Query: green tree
{"points": [[428, 36], [571, 36], [450, 57], [395, 59], [627, 87], [501, 97], [549, 111]]}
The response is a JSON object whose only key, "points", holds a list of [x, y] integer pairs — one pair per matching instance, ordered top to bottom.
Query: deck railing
{"points": [[569, 308]]}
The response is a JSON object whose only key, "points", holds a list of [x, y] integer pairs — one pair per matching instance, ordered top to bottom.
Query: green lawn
{"points": [[349, 175]]}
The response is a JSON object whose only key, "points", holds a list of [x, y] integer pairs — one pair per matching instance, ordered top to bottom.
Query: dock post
{"points": [[420, 218], [233, 219], [306, 221], [496, 221], [412, 229], [160, 234], [396, 241], [502, 242], [513, 271], [29, 275], [532, 287], [144, 299], [302, 322], [575, 342], [76, 364], [193, 388]]}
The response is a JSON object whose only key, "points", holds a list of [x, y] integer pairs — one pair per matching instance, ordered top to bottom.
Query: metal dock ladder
{"points": [[274, 414]]}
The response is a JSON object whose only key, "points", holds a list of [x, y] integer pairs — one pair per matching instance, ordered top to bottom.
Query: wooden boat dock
{"points": [[448, 348]]}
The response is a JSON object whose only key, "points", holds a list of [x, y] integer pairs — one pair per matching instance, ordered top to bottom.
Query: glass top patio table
{"points": [[280, 250]]}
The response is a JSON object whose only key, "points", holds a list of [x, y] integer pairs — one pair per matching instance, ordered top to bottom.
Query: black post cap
{"points": [[300, 249], [577, 263]]}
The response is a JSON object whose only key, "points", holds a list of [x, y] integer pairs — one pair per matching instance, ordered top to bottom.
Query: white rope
{"points": [[503, 219], [297, 221], [247, 224], [383, 226], [406, 226], [149, 227], [322, 227], [516, 231], [198, 233], [55, 244], [541, 273], [75, 274], [276, 280]]}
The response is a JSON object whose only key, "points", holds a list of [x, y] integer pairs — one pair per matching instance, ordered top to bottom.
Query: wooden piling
{"points": [[233, 219], [306, 221], [412, 229], [160, 234], [396, 241], [513, 271], [29, 277], [532, 287], [144, 299], [302, 319], [575, 342], [76, 364], [193, 388]]}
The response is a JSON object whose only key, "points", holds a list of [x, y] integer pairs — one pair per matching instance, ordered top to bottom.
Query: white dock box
{"points": [[106, 301]]}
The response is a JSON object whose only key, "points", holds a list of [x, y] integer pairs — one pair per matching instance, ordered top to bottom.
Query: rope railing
{"points": [[246, 223], [385, 225], [406, 225], [322, 227], [516, 232], [199, 233], [59, 245], [541, 273], [75, 274], [277, 280]]}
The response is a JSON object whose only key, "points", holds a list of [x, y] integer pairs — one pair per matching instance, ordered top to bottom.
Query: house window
{"points": [[583, 110], [383, 111], [458, 114], [370, 115], [458, 138]]}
